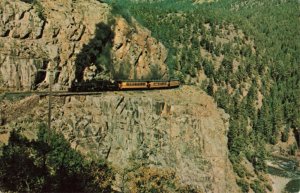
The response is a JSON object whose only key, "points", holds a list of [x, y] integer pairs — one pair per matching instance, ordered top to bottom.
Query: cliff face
{"points": [[79, 39], [133, 45], [181, 130]]}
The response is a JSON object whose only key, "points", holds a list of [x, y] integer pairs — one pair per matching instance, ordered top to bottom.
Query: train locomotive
{"points": [[114, 85]]}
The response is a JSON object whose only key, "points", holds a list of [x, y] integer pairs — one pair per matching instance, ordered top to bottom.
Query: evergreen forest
{"points": [[248, 52]]}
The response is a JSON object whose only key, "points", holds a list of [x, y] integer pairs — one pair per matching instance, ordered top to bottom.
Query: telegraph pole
{"points": [[50, 70], [50, 96]]}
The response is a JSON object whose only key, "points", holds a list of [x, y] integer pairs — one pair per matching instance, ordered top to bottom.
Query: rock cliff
{"points": [[75, 39], [180, 130], [186, 133]]}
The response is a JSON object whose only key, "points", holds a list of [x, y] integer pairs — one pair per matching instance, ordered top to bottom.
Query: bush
{"points": [[28, 1], [38, 6], [39, 9], [123, 73], [155, 73], [285, 135], [292, 149], [49, 164], [239, 169], [154, 179], [243, 185], [257, 187]]}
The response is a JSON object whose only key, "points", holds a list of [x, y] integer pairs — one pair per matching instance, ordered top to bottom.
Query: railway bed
{"points": [[53, 93]]}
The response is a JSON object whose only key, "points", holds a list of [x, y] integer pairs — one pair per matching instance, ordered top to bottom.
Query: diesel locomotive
{"points": [[113, 85]]}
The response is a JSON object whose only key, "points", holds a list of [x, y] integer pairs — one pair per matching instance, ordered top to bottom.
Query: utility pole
{"points": [[51, 71], [50, 96], [298, 132]]}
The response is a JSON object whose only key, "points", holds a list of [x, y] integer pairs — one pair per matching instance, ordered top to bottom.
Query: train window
{"points": [[136, 83], [160, 83]]}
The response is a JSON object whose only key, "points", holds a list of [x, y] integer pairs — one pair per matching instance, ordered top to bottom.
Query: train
{"points": [[114, 85]]}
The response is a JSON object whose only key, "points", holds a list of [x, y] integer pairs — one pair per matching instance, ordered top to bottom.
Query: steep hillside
{"points": [[79, 40], [245, 55], [173, 134], [170, 141]]}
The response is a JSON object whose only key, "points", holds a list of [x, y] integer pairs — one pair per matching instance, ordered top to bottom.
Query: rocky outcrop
{"points": [[78, 39], [134, 45], [180, 129]]}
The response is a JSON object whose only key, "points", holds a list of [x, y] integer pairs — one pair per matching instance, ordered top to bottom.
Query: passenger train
{"points": [[107, 85]]}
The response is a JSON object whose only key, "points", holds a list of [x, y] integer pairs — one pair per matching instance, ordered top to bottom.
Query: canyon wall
{"points": [[76, 40], [181, 130]]}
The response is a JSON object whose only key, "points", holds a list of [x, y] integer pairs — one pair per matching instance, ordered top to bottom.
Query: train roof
{"points": [[147, 80]]}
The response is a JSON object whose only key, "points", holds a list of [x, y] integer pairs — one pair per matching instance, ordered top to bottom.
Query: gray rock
{"points": [[63, 30], [154, 129]]}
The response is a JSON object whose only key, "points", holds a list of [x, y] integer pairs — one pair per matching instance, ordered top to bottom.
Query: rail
{"points": [[53, 93]]}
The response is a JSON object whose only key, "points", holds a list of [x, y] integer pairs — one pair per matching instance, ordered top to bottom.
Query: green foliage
{"points": [[29, 1], [39, 9], [118, 9], [171, 61], [227, 64], [268, 67], [208, 68], [123, 73], [155, 73], [210, 88], [285, 135], [293, 149], [49, 164], [17, 169], [240, 170], [154, 179], [244, 185], [292, 186], [257, 187], [269, 187]]}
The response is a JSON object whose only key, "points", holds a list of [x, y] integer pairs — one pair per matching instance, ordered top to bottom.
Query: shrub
{"points": [[28, 1], [39, 9], [123, 73], [155, 73], [293, 149], [49, 164], [243, 185], [257, 187]]}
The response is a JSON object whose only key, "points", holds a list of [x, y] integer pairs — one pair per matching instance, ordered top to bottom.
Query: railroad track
{"points": [[53, 93]]}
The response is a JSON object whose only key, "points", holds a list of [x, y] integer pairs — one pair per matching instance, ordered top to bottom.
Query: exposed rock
{"points": [[71, 35], [134, 45], [19, 73], [153, 128], [180, 129]]}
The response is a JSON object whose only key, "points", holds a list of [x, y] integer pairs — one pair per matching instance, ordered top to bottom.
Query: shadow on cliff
{"points": [[96, 52]]}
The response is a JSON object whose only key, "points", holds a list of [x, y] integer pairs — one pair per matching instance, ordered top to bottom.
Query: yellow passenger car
{"points": [[174, 83], [158, 84], [127, 85]]}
